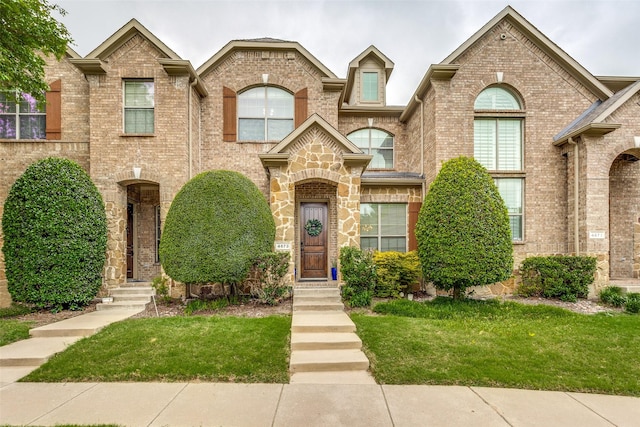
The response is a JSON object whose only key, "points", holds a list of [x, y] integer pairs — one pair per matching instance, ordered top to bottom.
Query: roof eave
{"points": [[89, 65], [181, 67], [436, 72], [592, 129], [397, 182]]}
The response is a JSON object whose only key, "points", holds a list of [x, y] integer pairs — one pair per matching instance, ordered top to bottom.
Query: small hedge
{"points": [[55, 236], [271, 268], [396, 272], [359, 276], [564, 277], [613, 295]]}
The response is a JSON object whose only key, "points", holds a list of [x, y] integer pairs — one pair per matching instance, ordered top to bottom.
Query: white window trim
{"points": [[378, 100], [125, 108], [17, 114], [264, 116], [392, 149], [379, 235]]}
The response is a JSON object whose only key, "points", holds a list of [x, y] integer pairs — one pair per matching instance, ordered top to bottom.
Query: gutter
{"points": [[576, 195]]}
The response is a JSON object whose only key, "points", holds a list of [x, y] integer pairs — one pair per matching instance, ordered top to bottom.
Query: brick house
{"points": [[561, 143]]}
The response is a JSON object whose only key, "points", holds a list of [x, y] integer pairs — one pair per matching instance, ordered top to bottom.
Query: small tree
{"points": [[28, 30], [218, 223], [463, 232], [55, 236]]}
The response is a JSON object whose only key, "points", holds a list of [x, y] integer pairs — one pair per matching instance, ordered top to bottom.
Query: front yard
{"points": [[483, 343]]}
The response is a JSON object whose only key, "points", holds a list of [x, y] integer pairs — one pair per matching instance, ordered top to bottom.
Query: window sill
{"points": [[138, 135], [28, 140]]}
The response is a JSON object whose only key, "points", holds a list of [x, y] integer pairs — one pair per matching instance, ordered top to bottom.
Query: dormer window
{"points": [[370, 86], [265, 114]]}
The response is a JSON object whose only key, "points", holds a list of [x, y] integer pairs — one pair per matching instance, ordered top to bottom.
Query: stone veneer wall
{"points": [[316, 158]]}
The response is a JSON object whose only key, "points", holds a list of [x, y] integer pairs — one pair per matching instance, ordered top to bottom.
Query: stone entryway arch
{"points": [[135, 210], [624, 215]]}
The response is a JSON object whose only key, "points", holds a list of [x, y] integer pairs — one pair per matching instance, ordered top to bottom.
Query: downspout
{"points": [[190, 126], [424, 183], [576, 196]]}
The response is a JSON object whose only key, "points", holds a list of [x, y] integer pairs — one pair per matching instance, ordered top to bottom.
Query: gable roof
{"points": [[123, 35], [543, 42], [263, 44], [387, 64], [570, 65], [593, 119], [352, 154]]}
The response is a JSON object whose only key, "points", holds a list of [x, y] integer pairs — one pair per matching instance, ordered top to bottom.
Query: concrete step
{"points": [[630, 288], [132, 290], [317, 292], [132, 297], [316, 298], [123, 305], [318, 305], [319, 321], [82, 326], [325, 341], [33, 351], [328, 360], [332, 377]]}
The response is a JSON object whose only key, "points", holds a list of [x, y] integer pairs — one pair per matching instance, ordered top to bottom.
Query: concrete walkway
{"points": [[214, 404]]}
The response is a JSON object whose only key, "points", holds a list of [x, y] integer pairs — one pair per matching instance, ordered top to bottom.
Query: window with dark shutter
{"points": [[300, 106], [54, 111], [229, 115], [414, 211]]}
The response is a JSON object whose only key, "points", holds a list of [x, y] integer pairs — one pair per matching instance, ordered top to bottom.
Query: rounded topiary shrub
{"points": [[217, 225], [463, 231], [55, 236]]}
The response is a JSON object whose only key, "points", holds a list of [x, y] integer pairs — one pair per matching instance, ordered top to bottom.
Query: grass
{"points": [[12, 330], [502, 345], [222, 349]]}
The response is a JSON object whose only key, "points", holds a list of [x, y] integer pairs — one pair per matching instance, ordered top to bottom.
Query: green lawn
{"points": [[13, 330], [502, 345], [227, 349]]}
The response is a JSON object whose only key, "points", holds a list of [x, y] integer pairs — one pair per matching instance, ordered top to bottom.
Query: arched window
{"points": [[265, 113], [377, 143], [498, 146]]}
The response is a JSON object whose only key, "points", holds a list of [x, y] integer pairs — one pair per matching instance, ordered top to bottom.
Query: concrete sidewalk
{"points": [[214, 404]]}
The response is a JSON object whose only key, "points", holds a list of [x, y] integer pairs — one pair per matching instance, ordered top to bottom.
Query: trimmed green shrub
{"points": [[215, 226], [463, 232], [55, 236], [272, 267], [395, 272], [359, 276], [564, 277], [612, 295], [633, 303]]}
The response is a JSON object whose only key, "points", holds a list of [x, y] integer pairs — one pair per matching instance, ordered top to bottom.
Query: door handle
{"points": [[302, 246]]}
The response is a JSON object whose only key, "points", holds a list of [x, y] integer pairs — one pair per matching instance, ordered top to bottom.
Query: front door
{"points": [[129, 240], [313, 240]]}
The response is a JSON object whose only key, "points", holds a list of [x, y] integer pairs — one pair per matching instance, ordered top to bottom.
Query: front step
{"points": [[630, 288], [129, 298], [140, 305], [317, 305], [318, 321], [325, 341], [328, 360]]}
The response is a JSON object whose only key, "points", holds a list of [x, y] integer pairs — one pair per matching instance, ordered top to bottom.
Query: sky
{"points": [[602, 35]]}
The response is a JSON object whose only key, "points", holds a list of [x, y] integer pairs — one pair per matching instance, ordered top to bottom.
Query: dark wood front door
{"points": [[129, 240], [313, 249]]}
